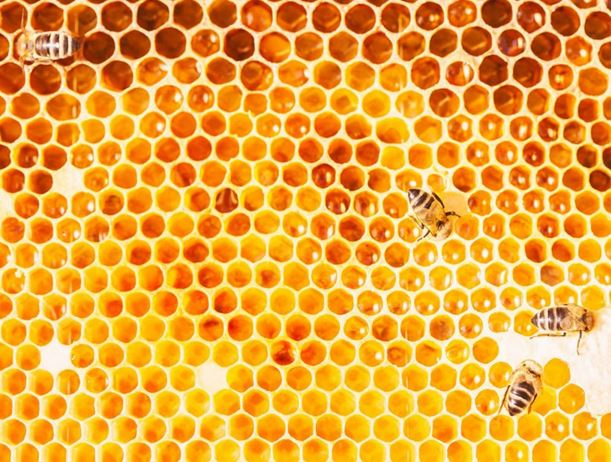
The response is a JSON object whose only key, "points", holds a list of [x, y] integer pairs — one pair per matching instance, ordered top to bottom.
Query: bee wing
{"points": [[575, 310], [576, 315]]}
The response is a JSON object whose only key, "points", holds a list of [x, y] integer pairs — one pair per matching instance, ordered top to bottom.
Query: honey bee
{"points": [[33, 46], [429, 212], [557, 321], [524, 386]]}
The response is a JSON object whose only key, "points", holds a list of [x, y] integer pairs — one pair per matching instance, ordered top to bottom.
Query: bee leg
{"points": [[453, 214], [428, 231], [563, 334], [579, 341], [503, 400], [531, 405]]}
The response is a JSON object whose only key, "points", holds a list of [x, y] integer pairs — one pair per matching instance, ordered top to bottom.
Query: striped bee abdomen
{"points": [[55, 45], [418, 199], [551, 319], [520, 397]]}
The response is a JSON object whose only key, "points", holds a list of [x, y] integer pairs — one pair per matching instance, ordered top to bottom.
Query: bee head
{"points": [[22, 43], [444, 229], [588, 321], [532, 367]]}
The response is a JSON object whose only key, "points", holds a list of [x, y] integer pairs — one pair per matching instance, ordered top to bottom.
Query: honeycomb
{"points": [[207, 251]]}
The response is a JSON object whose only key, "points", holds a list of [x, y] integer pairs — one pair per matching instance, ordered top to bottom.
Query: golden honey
{"points": [[206, 250]]}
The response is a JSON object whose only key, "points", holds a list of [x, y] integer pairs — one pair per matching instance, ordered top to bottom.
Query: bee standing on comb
{"points": [[32, 46], [429, 212], [557, 321], [524, 386]]}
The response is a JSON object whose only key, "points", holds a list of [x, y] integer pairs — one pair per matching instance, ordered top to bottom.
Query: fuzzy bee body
{"points": [[46, 46], [430, 213], [563, 319], [523, 388]]}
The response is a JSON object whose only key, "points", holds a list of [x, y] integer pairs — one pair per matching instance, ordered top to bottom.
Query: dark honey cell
{"points": [[188, 13], [222, 13], [461, 13], [496, 13], [152, 14], [256, 15], [47, 16], [116, 16], [429, 16], [531, 16], [14, 17], [291, 17], [326, 17], [395, 17], [360, 19], [81, 20], [565, 20], [598, 25], [476, 40], [170, 42], [205, 42], [443, 42], [511, 42], [134, 44], [239, 44], [411, 45], [309, 46], [343, 46], [546, 46], [4, 47], [98, 47], [274, 47], [377, 48], [578, 50], [186, 70], [493, 70], [425, 72], [527, 72], [459, 73], [117, 75], [256, 76], [560, 76], [12, 78], [81, 78], [593, 81], [200, 98], [508, 99], [444, 103], [25, 106], [10, 129], [39, 131], [310, 150], [340, 151], [27, 156], [5, 157], [54, 157], [12, 180], [600, 180], [40, 181], [226, 200], [337, 201]]}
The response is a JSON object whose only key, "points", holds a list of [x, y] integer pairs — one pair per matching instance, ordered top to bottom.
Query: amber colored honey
{"points": [[206, 250]]}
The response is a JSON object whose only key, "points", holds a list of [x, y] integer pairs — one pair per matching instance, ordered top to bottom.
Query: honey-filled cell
{"points": [[208, 249]]}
